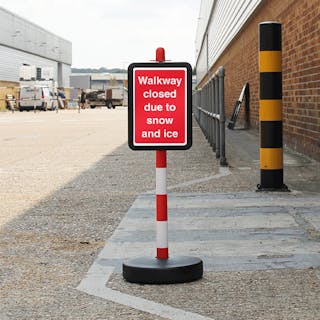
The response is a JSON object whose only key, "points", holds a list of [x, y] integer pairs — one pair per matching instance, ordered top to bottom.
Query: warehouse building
{"points": [[227, 35], [24, 43], [98, 81], [101, 81]]}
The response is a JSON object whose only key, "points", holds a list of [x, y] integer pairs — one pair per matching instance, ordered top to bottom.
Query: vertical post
{"points": [[270, 68], [34, 99], [216, 102], [247, 106], [205, 109], [208, 111], [200, 112], [205, 112], [211, 112], [222, 117], [214, 133], [161, 191], [161, 205], [161, 269]]}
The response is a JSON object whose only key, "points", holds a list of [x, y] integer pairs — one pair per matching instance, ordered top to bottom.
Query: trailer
{"points": [[114, 97], [109, 98]]}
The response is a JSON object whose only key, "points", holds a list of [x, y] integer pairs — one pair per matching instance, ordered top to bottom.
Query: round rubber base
{"points": [[177, 269]]}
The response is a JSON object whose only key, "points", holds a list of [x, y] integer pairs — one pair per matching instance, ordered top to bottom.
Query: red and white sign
{"points": [[159, 106]]}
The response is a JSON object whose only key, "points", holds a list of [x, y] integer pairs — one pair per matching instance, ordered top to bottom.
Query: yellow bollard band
{"points": [[270, 61], [270, 110], [271, 158]]}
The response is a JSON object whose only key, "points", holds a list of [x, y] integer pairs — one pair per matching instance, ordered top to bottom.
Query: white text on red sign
{"points": [[160, 111]]}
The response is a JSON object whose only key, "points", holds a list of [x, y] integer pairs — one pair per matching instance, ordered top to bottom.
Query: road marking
{"points": [[223, 172], [95, 284]]}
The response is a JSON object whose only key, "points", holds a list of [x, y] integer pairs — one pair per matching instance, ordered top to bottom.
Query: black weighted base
{"points": [[283, 188], [177, 269]]}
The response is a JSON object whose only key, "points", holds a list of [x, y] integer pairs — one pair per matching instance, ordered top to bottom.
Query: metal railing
{"points": [[208, 110]]}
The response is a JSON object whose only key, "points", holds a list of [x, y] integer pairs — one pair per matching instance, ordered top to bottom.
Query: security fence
{"points": [[208, 109]]}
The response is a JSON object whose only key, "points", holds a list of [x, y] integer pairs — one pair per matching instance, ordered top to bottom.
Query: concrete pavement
{"points": [[75, 201], [232, 232]]}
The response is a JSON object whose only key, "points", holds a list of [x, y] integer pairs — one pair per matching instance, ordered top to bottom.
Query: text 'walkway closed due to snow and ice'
{"points": [[160, 106]]}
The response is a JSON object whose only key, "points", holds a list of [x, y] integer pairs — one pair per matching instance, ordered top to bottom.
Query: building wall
{"points": [[219, 22], [19, 33], [22, 42], [11, 60], [301, 69], [65, 75], [80, 81], [102, 81]]}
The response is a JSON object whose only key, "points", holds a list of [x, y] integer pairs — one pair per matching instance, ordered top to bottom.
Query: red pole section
{"points": [[160, 55], [161, 191], [161, 205]]}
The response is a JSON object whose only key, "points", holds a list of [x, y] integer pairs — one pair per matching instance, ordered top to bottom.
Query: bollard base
{"points": [[223, 162], [283, 188], [177, 269]]}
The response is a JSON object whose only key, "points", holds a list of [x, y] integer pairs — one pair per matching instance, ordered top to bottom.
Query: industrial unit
{"points": [[227, 35], [25, 43], [98, 81]]}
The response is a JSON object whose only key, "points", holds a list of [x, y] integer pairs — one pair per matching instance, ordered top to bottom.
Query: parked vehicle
{"points": [[35, 97], [96, 98], [109, 98], [114, 98]]}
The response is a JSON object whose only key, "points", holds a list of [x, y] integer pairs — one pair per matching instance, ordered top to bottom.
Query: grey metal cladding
{"points": [[219, 22], [21, 34]]}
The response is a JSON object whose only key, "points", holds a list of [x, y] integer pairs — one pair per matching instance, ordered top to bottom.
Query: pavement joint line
{"points": [[223, 172], [313, 233], [318, 274], [95, 284]]}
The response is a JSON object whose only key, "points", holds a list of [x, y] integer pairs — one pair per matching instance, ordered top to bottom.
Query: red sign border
{"points": [[188, 117]]}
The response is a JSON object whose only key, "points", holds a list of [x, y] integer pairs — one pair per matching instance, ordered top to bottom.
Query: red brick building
{"points": [[227, 35]]}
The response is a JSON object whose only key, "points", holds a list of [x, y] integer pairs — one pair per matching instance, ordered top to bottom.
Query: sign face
{"points": [[159, 105]]}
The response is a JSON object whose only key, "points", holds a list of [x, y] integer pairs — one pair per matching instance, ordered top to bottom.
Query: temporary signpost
{"points": [[160, 109]]}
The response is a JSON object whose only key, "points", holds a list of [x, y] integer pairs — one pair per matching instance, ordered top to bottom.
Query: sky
{"points": [[114, 33]]}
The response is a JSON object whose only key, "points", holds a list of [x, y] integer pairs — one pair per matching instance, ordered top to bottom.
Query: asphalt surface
{"points": [[75, 202]]}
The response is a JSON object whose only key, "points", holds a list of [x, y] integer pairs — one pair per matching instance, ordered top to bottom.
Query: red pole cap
{"points": [[160, 55]]}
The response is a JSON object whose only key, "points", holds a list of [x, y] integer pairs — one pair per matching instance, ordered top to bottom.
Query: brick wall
{"points": [[301, 70]]}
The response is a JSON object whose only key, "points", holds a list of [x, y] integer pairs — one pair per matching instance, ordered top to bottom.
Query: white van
{"points": [[35, 97]]}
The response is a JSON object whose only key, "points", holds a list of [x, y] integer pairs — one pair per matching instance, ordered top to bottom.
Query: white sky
{"points": [[114, 33]]}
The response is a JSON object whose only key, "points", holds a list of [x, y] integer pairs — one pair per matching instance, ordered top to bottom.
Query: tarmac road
{"points": [[73, 196]]}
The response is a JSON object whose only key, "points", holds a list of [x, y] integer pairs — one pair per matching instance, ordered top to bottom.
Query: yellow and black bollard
{"points": [[271, 147]]}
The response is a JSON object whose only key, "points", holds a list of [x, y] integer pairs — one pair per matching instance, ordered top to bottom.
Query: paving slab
{"points": [[221, 230], [236, 233]]}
